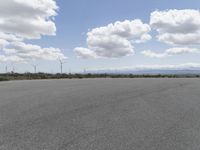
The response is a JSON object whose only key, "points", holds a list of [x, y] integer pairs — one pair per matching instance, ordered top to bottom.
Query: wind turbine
{"points": [[61, 61], [13, 68], [34, 68], [6, 69], [84, 71]]}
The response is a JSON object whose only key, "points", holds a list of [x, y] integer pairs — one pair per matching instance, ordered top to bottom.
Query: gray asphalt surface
{"points": [[100, 114]]}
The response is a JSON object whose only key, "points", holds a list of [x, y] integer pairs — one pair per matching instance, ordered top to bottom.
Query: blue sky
{"points": [[75, 17]]}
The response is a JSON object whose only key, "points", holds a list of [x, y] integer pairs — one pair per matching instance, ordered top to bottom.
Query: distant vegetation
{"points": [[34, 76]]}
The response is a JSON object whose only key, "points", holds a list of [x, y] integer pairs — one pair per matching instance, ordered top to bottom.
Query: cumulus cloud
{"points": [[28, 19], [24, 20], [177, 27], [9, 37], [6, 38], [115, 40], [3, 43], [182, 50], [33, 52], [170, 52], [84, 53], [153, 54], [4, 58]]}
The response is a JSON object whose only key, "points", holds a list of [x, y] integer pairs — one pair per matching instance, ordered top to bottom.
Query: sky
{"points": [[93, 34]]}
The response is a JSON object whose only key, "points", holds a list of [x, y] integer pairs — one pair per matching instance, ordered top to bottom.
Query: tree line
{"points": [[34, 76]]}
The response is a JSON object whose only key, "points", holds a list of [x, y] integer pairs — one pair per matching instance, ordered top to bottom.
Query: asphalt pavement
{"points": [[100, 114]]}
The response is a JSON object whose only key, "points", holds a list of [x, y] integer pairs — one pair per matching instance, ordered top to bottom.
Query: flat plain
{"points": [[100, 114]]}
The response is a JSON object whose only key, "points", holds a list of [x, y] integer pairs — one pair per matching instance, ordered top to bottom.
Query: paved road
{"points": [[100, 114]]}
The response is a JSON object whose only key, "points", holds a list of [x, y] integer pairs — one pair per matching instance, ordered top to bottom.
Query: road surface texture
{"points": [[100, 114]]}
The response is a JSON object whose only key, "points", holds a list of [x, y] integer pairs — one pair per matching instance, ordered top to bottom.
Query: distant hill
{"points": [[150, 71]]}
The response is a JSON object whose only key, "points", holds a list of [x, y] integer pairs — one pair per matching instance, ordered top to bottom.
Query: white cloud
{"points": [[27, 19], [23, 20], [177, 27], [9, 37], [6, 38], [115, 40], [3, 43], [182, 50], [33, 52], [170, 52], [84, 53], [153, 54], [4, 58]]}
